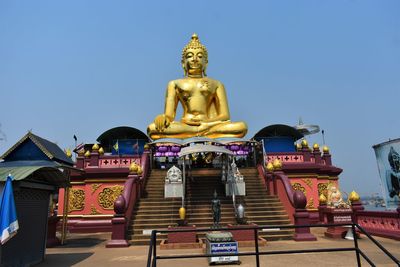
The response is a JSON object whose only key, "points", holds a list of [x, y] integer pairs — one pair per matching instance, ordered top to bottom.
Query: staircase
{"points": [[155, 212]]}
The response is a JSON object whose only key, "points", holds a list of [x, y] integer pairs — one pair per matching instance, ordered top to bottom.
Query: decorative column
{"points": [[306, 150], [317, 154], [326, 156], [94, 157], [80, 159], [86, 161], [277, 168], [269, 181], [356, 205], [321, 208], [301, 217]]}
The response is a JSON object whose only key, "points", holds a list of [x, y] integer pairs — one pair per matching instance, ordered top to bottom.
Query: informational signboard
{"points": [[388, 159], [216, 248]]}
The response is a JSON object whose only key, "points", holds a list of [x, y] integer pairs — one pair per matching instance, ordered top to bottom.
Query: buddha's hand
{"points": [[161, 122], [191, 122]]}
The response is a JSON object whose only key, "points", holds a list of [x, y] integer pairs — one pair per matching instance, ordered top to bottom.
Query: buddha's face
{"points": [[194, 61], [394, 161], [174, 174]]}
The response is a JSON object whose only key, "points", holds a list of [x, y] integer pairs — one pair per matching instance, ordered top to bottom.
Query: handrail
{"points": [[288, 187], [131, 196], [289, 204], [377, 244], [152, 255]]}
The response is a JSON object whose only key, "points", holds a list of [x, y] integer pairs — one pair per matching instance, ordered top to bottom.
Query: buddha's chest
{"points": [[197, 88]]}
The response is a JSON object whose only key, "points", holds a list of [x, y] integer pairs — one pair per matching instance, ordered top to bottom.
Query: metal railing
{"points": [[153, 257]]}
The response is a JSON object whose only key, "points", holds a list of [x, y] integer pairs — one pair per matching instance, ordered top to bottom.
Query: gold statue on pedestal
{"points": [[204, 102]]}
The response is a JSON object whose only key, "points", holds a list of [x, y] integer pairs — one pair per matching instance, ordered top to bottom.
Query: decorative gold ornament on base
{"points": [[204, 102], [304, 143], [95, 147], [68, 153], [277, 164], [270, 167], [133, 168], [353, 196], [322, 199], [182, 213]]}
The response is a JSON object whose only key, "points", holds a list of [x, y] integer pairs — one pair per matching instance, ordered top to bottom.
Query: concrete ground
{"points": [[89, 250]]}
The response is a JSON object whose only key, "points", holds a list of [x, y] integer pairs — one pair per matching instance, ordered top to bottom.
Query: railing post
{"points": [[301, 217], [118, 239], [154, 241], [356, 244], [256, 247]]}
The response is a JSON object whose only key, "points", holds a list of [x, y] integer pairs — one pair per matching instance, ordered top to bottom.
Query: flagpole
{"points": [[76, 143]]}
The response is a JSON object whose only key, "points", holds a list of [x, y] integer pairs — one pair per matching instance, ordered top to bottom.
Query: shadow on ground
{"points": [[64, 259]]}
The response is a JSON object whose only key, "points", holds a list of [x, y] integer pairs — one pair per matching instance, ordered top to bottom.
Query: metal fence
{"points": [[153, 257]]}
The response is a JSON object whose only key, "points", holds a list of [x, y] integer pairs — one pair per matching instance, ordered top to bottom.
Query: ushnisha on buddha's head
{"points": [[194, 58]]}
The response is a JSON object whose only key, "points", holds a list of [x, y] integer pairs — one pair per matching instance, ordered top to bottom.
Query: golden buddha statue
{"points": [[204, 102]]}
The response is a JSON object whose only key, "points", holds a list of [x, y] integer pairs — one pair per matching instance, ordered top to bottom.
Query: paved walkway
{"points": [[89, 250]]}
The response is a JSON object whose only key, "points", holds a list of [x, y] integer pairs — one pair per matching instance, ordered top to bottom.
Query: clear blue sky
{"points": [[82, 67]]}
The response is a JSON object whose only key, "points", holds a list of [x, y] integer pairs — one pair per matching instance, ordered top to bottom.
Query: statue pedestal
{"points": [[173, 190], [335, 215], [181, 240], [221, 243]]}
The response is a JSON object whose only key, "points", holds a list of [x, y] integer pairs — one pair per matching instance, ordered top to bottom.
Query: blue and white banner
{"points": [[388, 159], [8, 213]]}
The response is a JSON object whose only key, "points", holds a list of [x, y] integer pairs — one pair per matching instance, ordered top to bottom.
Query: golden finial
{"points": [[194, 44], [304, 143], [298, 146], [316, 146], [95, 147], [325, 149], [101, 151], [81, 152], [68, 153], [87, 154], [277, 164], [134, 167], [270, 167], [353, 196], [322, 199]]}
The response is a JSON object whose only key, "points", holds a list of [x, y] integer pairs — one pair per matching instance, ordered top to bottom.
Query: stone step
{"points": [[154, 211], [206, 212]]}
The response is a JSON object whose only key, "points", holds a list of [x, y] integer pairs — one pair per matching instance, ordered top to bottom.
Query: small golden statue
{"points": [[204, 102], [335, 198]]}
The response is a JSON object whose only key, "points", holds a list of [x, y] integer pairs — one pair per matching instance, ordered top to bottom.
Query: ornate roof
{"points": [[51, 150]]}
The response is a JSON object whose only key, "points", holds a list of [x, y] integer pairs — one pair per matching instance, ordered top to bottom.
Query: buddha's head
{"points": [[194, 58], [394, 160]]}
